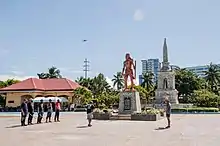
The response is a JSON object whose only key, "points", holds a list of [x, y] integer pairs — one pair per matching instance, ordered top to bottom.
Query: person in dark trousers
{"points": [[89, 110], [30, 111], [40, 111], [49, 111], [57, 111], [168, 111], [24, 112]]}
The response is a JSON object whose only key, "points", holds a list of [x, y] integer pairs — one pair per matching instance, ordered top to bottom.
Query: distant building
{"points": [[150, 65], [174, 67], [199, 70]]}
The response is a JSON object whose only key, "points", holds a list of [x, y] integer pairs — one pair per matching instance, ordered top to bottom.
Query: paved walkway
{"points": [[187, 130]]}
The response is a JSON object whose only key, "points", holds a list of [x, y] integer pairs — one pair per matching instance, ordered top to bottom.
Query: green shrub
{"points": [[204, 98], [196, 110]]}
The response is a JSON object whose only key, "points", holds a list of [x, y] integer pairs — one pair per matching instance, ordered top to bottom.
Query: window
{"points": [[11, 101]]}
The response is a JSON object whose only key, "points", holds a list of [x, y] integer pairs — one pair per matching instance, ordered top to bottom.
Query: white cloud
{"points": [[138, 15], [17, 73], [5, 77], [109, 80]]}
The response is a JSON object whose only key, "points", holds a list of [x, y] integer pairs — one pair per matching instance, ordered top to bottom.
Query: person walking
{"points": [[30, 106], [89, 110], [40, 111], [49, 111], [57, 111], [168, 111], [24, 112]]}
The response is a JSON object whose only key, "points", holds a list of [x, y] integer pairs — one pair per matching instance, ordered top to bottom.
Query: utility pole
{"points": [[86, 67]]}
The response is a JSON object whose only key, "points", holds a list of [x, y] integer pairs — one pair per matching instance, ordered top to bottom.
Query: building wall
{"points": [[151, 65], [199, 70], [14, 99]]}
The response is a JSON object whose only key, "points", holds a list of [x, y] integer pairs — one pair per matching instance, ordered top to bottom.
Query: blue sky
{"points": [[36, 34]]}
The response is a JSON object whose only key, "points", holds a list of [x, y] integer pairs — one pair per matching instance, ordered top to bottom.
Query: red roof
{"points": [[62, 84]]}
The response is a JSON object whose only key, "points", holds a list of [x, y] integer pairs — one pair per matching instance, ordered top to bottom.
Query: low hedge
{"points": [[195, 110]]}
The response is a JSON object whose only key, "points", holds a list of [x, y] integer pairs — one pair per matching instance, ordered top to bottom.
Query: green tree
{"points": [[53, 72], [212, 76], [147, 80], [118, 81], [8, 82], [85, 82], [186, 82], [4, 84], [97, 85], [144, 94], [82, 95], [204, 98]]}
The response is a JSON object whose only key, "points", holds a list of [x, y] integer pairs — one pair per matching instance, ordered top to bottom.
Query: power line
{"points": [[86, 67]]}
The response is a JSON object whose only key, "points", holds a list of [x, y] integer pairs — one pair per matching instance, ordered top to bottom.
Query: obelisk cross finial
{"points": [[165, 63]]}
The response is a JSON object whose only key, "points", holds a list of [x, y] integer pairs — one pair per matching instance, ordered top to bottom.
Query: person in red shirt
{"points": [[57, 111]]}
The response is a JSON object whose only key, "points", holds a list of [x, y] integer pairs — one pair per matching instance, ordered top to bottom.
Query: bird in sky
{"points": [[84, 40]]}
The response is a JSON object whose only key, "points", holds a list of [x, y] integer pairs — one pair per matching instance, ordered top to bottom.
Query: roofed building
{"points": [[33, 87]]}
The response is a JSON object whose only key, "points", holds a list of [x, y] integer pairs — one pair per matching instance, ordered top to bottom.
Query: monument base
{"points": [[171, 94], [129, 102]]}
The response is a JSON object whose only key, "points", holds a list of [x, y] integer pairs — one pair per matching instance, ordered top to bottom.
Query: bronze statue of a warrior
{"points": [[129, 70]]}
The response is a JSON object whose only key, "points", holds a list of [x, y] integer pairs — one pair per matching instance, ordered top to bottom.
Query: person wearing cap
{"points": [[30, 106], [89, 110], [40, 111], [49, 111], [57, 111], [168, 111], [24, 112]]}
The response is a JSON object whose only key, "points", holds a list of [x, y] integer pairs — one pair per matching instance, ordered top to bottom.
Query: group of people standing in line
{"points": [[27, 110]]}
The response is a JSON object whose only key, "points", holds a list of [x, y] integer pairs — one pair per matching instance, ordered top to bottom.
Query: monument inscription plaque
{"points": [[127, 103]]}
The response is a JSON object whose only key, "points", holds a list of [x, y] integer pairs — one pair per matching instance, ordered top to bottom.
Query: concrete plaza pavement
{"points": [[186, 130]]}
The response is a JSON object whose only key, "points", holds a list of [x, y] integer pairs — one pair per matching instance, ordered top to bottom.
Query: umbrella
{"points": [[38, 99], [54, 99]]}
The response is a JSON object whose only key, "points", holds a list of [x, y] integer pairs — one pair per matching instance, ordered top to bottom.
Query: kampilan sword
{"points": [[135, 69]]}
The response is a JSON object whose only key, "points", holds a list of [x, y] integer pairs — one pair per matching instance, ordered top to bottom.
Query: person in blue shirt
{"points": [[24, 112]]}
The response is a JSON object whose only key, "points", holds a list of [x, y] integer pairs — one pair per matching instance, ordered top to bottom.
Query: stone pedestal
{"points": [[172, 95], [129, 102]]}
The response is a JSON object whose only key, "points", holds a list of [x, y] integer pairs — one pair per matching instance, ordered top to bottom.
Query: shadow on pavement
{"points": [[16, 126], [82, 126], [162, 128]]}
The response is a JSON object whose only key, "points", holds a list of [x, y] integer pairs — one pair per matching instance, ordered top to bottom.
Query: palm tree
{"points": [[53, 72], [42, 75], [212, 76], [147, 80], [118, 81], [8, 82], [85, 82], [96, 85]]}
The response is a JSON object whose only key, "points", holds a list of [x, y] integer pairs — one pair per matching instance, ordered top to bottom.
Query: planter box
{"points": [[101, 116], [145, 117]]}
